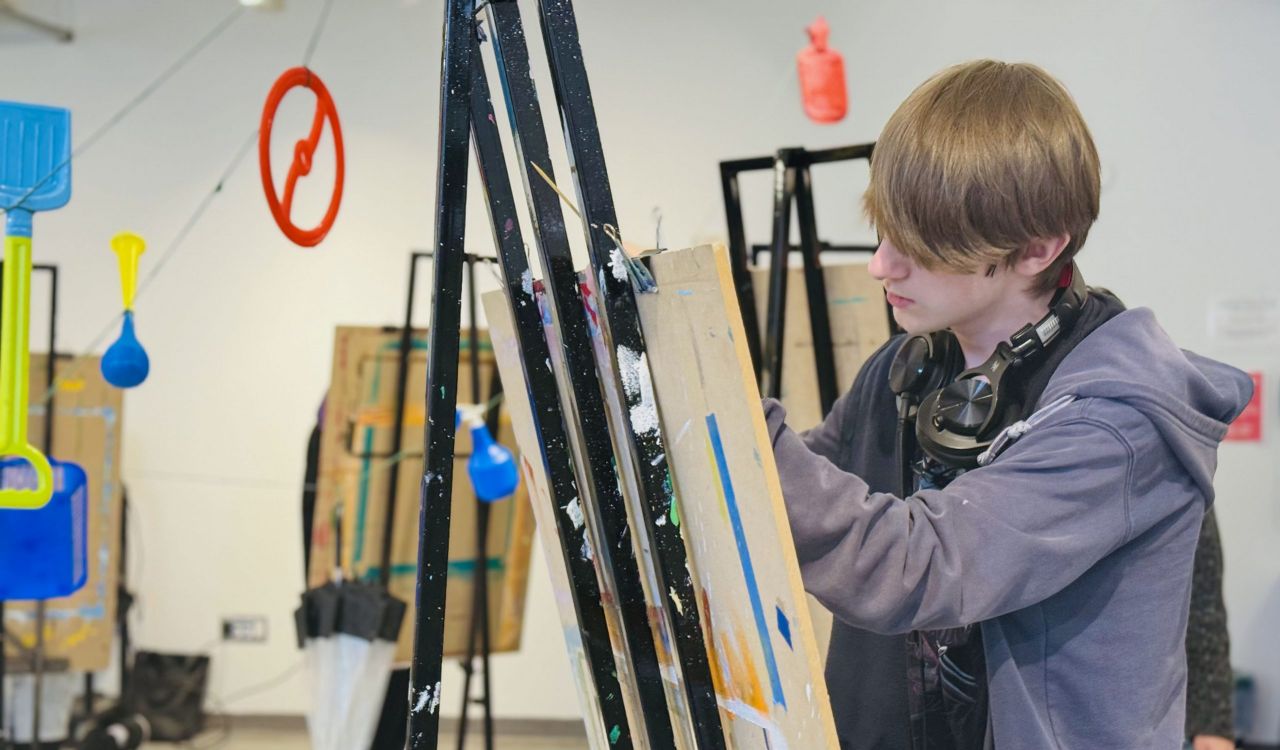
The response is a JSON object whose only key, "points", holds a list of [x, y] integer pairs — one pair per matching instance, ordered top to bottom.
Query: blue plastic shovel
{"points": [[35, 175]]}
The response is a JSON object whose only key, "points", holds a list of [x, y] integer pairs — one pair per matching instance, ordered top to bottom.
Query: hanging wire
{"points": [[315, 35], [134, 103], [177, 243], [73, 372]]}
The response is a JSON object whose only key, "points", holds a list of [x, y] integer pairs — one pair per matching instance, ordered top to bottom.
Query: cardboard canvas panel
{"points": [[859, 326], [507, 351], [87, 431], [351, 492], [761, 643]]}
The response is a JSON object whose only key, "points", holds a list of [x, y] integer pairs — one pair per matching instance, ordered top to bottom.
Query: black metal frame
{"points": [[792, 185], [619, 322], [576, 357], [442, 376], [582, 423], [47, 445], [597, 480], [480, 602]]}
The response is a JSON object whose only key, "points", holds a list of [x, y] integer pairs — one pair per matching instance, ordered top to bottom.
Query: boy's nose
{"points": [[887, 262]]}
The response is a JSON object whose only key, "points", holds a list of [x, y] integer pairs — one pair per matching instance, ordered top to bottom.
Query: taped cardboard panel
{"points": [[859, 326], [702, 391], [88, 428], [351, 492], [742, 559]]}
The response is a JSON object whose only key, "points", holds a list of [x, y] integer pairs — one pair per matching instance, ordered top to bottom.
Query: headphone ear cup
{"points": [[922, 364], [964, 407], [940, 443]]}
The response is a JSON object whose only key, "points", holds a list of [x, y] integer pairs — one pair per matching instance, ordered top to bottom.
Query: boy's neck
{"points": [[978, 340]]}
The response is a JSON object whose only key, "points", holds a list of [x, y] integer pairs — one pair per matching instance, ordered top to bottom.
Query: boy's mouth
{"points": [[897, 300]]}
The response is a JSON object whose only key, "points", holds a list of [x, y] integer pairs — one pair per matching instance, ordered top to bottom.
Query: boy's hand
{"points": [[1210, 742]]}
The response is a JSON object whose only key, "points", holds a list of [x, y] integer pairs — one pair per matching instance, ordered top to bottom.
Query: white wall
{"points": [[1181, 96]]}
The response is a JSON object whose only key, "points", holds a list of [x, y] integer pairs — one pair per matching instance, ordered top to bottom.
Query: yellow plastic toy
{"points": [[35, 175], [15, 360], [126, 364]]}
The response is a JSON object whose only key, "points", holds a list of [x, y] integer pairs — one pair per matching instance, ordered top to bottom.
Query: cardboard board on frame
{"points": [[859, 326], [88, 423], [355, 461], [764, 659]]}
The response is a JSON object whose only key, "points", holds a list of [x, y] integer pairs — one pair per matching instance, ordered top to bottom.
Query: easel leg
{"points": [[442, 376]]}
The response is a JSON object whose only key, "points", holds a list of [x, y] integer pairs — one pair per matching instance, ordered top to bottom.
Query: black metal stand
{"points": [[792, 185], [619, 323], [442, 377], [591, 436], [580, 443], [47, 447], [480, 589], [124, 603], [480, 603]]}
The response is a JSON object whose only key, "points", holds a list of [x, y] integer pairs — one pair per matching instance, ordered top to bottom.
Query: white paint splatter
{"points": [[618, 264], [526, 282], [627, 363], [637, 384], [684, 430], [658, 459], [574, 511], [662, 520], [587, 552], [675, 599], [428, 699]]}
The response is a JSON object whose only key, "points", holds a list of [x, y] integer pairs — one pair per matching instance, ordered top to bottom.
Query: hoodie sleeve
{"points": [[831, 438], [998, 539]]}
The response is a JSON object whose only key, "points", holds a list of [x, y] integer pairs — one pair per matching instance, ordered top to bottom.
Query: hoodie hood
{"points": [[1189, 398]]}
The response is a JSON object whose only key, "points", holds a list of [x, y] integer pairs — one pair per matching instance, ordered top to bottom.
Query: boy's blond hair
{"points": [[979, 160]]}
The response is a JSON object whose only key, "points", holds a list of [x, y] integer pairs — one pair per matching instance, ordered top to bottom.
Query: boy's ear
{"points": [[1040, 253]]}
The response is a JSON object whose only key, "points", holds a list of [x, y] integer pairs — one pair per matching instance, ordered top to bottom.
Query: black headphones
{"points": [[955, 422]]}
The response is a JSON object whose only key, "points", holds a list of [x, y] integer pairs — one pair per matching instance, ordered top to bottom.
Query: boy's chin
{"points": [[914, 325]]}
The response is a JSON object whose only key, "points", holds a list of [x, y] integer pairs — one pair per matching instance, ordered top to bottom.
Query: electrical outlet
{"points": [[245, 629]]}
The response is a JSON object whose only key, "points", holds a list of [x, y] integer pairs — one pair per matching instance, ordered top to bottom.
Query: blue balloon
{"points": [[126, 364], [491, 467]]}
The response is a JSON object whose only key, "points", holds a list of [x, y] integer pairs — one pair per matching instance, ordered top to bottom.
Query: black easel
{"points": [[463, 83], [792, 184], [47, 447], [480, 589], [479, 630]]}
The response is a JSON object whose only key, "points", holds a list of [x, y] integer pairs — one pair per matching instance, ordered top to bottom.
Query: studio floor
{"points": [[250, 734]]}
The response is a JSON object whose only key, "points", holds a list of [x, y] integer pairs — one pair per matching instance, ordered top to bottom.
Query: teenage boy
{"points": [[1020, 481]]}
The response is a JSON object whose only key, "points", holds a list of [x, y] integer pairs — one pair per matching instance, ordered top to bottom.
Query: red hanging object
{"points": [[822, 85], [282, 206]]}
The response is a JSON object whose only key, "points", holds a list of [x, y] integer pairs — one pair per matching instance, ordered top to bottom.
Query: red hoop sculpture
{"points": [[303, 152]]}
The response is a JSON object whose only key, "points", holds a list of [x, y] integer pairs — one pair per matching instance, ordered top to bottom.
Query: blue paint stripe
{"points": [[744, 554]]}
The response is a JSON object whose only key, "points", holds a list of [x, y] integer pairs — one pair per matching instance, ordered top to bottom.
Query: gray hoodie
{"points": [[1073, 547]]}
